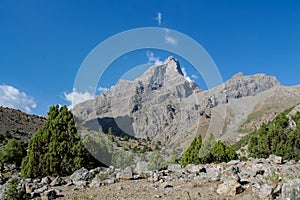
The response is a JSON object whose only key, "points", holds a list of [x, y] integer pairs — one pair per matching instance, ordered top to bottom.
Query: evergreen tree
{"points": [[276, 138], [56, 148], [13, 152], [191, 155]]}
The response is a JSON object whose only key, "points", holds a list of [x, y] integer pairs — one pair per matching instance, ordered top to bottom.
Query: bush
{"points": [[276, 138], [56, 148], [13, 152], [208, 152], [221, 153], [156, 161], [12, 191]]}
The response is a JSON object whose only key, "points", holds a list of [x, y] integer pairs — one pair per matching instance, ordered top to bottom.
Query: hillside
{"points": [[19, 124]]}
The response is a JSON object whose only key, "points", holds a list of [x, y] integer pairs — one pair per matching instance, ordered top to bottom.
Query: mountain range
{"points": [[163, 105]]}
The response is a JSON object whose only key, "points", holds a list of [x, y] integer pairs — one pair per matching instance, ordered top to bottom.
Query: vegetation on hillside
{"points": [[277, 137], [56, 148], [13, 152], [208, 152]]}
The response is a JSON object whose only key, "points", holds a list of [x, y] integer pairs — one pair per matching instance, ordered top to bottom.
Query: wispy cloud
{"points": [[158, 18], [169, 39], [153, 59], [194, 76], [190, 79], [102, 89], [75, 97], [14, 98]]}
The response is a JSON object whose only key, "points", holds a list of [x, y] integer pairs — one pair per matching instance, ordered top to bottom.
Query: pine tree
{"points": [[56, 148], [191, 155]]}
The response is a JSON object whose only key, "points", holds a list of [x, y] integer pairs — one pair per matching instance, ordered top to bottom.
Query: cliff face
{"points": [[163, 105]]}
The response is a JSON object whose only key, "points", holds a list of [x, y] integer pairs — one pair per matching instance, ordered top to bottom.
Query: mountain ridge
{"points": [[162, 105]]}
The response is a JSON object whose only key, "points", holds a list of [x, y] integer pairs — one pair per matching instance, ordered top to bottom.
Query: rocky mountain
{"points": [[163, 105], [18, 123]]}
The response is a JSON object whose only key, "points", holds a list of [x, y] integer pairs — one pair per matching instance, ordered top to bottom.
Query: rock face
{"points": [[163, 105], [145, 107]]}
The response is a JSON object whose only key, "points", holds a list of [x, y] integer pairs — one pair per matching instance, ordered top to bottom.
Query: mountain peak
{"points": [[173, 63]]}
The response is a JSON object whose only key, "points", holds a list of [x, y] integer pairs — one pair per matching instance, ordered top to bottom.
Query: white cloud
{"points": [[158, 18], [169, 39], [153, 59], [184, 71], [185, 75], [194, 76], [102, 89], [75, 97], [14, 98]]}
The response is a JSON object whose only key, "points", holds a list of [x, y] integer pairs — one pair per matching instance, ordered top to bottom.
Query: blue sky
{"points": [[43, 43]]}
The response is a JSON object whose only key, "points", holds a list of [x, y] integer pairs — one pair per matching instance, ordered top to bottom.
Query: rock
{"points": [[275, 159], [141, 167], [174, 167], [191, 168], [110, 170], [95, 171], [290, 171], [213, 173], [230, 173], [126, 174], [81, 175], [154, 177], [46, 180], [58, 181], [110, 181], [96, 182], [81, 183], [165, 185], [28, 188], [119, 188], [229, 188], [291, 189], [41, 190], [265, 191], [49, 194]]}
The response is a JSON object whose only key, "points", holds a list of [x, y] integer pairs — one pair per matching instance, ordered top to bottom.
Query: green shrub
{"points": [[276, 138], [56, 148], [13, 152], [208, 152], [221, 153], [191, 155], [12, 192]]}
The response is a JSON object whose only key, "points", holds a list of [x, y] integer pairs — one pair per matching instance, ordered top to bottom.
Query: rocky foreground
{"points": [[270, 178]]}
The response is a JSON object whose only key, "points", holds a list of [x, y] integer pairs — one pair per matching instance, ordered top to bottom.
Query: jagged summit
{"points": [[163, 105]]}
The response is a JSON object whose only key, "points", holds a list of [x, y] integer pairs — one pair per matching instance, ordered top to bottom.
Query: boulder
{"points": [[275, 159], [141, 167], [174, 167], [213, 173], [126, 174], [81, 175], [46, 180], [58, 181], [229, 188], [291, 189], [265, 191]]}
